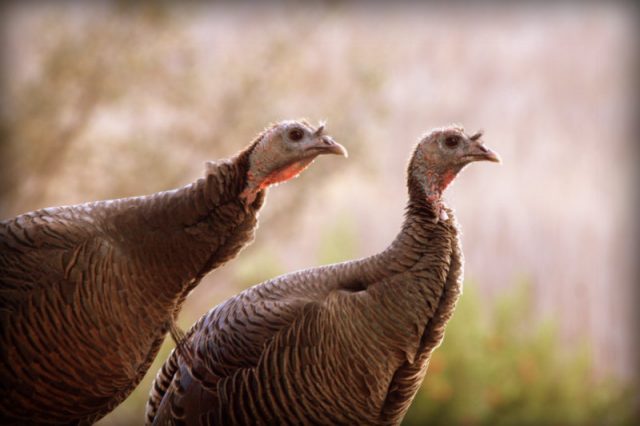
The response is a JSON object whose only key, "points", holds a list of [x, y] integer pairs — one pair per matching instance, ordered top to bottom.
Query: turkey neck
{"points": [[188, 231], [422, 234], [410, 279]]}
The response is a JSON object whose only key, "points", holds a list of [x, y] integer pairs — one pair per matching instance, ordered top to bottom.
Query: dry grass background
{"points": [[107, 101]]}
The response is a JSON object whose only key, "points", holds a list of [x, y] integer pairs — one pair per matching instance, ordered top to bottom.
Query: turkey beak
{"points": [[326, 145], [478, 152]]}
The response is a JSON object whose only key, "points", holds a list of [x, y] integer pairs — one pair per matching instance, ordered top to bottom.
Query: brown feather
{"points": [[88, 292], [341, 344]]}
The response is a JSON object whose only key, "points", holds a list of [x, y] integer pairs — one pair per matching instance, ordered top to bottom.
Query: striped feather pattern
{"points": [[87, 292], [341, 344]]}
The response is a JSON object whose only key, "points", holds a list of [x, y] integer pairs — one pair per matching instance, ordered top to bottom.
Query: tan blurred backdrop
{"points": [[107, 101]]}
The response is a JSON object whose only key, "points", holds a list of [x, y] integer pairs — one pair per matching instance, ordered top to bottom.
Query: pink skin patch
{"points": [[285, 173], [447, 178], [257, 183], [437, 185]]}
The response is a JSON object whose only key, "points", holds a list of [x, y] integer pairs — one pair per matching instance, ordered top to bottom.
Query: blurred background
{"points": [[110, 100]]}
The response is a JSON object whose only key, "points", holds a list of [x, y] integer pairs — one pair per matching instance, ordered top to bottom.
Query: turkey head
{"points": [[283, 151], [439, 157]]}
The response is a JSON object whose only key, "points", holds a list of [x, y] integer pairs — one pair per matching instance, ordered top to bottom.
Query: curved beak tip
{"points": [[329, 146], [343, 151], [479, 152], [494, 157]]}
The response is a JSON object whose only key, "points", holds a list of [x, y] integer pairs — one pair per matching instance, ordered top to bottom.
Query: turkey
{"points": [[88, 292], [341, 344]]}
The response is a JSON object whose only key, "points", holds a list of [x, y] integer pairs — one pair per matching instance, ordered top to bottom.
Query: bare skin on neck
{"points": [[283, 152], [440, 156], [259, 181], [436, 185]]}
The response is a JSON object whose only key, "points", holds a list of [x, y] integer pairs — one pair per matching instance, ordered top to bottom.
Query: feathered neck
{"points": [[242, 160], [252, 186], [426, 218], [423, 226]]}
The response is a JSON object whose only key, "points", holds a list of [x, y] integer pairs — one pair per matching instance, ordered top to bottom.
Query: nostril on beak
{"points": [[328, 145]]}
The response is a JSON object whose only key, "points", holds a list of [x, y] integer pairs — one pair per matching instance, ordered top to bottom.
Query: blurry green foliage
{"points": [[143, 70], [339, 241], [256, 266], [496, 366], [508, 369]]}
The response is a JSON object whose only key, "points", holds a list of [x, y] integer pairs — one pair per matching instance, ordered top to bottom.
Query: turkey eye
{"points": [[295, 135], [452, 141]]}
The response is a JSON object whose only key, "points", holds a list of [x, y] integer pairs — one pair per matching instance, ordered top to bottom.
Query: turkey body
{"points": [[87, 292], [342, 344]]}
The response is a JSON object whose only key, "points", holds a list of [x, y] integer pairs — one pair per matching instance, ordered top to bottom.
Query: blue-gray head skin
{"points": [[284, 150], [439, 157]]}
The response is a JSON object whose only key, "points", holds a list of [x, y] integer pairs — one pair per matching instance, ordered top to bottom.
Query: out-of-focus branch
{"points": [[62, 139]]}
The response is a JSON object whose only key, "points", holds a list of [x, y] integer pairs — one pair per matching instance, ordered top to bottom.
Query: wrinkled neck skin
{"points": [[267, 168], [430, 182]]}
